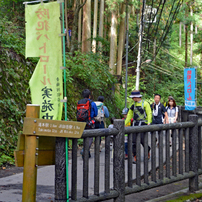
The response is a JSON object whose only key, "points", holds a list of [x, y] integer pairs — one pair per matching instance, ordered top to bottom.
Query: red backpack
{"points": [[83, 110]]}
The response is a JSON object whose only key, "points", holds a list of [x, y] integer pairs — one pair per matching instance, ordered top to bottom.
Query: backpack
{"points": [[161, 107], [83, 110], [140, 112], [100, 115]]}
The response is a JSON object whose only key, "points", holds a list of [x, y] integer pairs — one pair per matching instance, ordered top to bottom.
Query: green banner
{"points": [[42, 40]]}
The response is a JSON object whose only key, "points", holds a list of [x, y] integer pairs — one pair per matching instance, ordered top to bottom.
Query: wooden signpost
{"points": [[52, 128], [37, 146]]}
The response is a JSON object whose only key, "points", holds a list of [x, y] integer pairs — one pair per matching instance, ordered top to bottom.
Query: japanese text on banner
{"points": [[43, 41], [189, 88]]}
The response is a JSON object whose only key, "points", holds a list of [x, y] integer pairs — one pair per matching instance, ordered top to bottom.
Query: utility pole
{"points": [[127, 28], [140, 46]]}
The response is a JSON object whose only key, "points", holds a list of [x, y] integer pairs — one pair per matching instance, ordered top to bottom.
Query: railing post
{"points": [[193, 153], [30, 159], [118, 164], [60, 170]]}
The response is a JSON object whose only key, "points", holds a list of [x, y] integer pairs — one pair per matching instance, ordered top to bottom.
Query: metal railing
{"points": [[185, 163]]}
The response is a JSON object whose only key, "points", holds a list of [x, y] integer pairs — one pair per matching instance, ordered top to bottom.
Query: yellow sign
{"points": [[43, 40], [53, 128]]}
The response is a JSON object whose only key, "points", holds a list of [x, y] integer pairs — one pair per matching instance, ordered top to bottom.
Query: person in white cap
{"points": [[141, 113]]}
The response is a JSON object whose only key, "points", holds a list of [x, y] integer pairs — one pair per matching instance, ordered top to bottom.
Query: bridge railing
{"points": [[177, 161]]}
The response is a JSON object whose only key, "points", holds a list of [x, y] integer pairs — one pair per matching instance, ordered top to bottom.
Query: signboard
{"points": [[150, 14], [43, 40], [189, 88], [52, 128]]}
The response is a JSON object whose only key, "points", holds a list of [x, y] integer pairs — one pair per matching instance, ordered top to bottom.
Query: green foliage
{"points": [[92, 72], [15, 73]]}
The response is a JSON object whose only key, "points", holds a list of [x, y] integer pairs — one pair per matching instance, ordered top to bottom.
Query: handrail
{"points": [[158, 127], [138, 129], [99, 132]]}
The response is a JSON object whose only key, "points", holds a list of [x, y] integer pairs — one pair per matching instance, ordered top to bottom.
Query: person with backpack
{"points": [[172, 110], [86, 112], [159, 112], [102, 113], [141, 113]]}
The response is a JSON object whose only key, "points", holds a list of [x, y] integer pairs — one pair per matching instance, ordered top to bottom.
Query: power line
{"points": [[174, 16], [166, 51], [165, 61], [158, 70], [163, 71]]}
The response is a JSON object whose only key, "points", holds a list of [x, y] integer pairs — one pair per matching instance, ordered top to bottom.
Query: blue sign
{"points": [[189, 88]]}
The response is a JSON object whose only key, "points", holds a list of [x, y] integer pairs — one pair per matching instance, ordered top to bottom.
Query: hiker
{"points": [[166, 103], [172, 110], [86, 112], [159, 112], [102, 113], [141, 113], [112, 123], [111, 126]]}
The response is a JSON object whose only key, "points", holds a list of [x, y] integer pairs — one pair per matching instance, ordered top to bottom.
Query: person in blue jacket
{"points": [[93, 113]]}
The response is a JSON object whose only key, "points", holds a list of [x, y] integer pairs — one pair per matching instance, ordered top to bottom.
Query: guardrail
{"points": [[189, 164]]}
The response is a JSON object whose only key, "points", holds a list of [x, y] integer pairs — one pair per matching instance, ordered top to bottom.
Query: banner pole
{"points": [[196, 88], [65, 96]]}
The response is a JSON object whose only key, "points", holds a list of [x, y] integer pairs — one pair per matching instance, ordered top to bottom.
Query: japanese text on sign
{"points": [[189, 88]]}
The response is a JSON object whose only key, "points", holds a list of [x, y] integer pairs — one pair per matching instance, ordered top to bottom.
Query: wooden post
{"points": [[193, 153], [30, 159], [118, 161]]}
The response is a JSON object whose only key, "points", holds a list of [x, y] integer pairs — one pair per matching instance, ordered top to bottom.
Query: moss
{"points": [[186, 197]]}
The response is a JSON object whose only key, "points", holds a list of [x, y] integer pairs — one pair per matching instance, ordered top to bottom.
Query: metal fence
{"points": [[176, 165]]}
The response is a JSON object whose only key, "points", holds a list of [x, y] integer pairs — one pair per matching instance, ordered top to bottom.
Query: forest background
{"points": [[95, 57]]}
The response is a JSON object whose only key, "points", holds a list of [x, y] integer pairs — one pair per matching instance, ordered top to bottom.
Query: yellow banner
{"points": [[42, 40]]}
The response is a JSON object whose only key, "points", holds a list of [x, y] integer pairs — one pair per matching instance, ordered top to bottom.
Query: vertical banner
{"points": [[42, 40], [189, 88]]}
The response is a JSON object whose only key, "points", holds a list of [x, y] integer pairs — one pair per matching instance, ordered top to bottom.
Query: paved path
{"points": [[11, 187]]}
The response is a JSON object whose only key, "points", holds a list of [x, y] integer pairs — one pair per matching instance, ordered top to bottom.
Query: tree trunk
{"points": [[101, 22], [95, 26], [79, 27], [196, 29], [180, 34], [86, 35], [121, 40], [74, 41], [113, 43], [186, 44]]}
